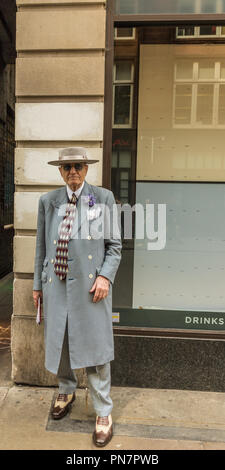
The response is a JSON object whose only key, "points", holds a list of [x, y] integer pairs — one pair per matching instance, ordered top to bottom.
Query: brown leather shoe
{"points": [[62, 405], [103, 431]]}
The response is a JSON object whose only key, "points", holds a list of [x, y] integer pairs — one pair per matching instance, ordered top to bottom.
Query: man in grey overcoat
{"points": [[78, 251]]}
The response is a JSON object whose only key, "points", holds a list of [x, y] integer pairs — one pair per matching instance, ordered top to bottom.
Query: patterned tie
{"points": [[61, 258]]}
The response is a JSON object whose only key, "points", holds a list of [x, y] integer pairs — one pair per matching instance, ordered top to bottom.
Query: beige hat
{"points": [[72, 155]]}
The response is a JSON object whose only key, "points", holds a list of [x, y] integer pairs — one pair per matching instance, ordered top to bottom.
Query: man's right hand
{"points": [[36, 295]]}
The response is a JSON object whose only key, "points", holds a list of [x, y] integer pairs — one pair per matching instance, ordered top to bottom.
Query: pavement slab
{"points": [[143, 419]]}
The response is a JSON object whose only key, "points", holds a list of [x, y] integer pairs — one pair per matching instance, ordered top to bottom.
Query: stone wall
{"points": [[59, 102]]}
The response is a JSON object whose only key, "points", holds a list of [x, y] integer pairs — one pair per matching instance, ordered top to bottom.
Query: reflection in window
{"points": [[169, 6], [186, 6], [207, 30], [183, 31], [199, 31], [124, 33], [206, 69], [184, 70], [222, 70], [123, 71], [123, 94], [199, 100], [183, 103], [205, 104], [122, 105], [222, 105], [121, 173]]}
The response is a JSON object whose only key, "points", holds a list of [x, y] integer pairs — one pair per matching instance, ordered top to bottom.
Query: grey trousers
{"points": [[99, 381]]}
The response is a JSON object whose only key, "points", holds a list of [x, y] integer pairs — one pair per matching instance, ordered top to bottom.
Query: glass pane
{"points": [[185, 6], [209, 6], [130, 7], [207, 30], [223, 30], [186, 31], [124, 32], [206, 69], [184, 70], [222, 70], [123, 71], [183, 101], [122, 104], [205, 104], [222, 105], [180, 137], [171, 141], [125, 159], [114, 160], [124, 175], [124, 184], [124, 193], [188, 273]]}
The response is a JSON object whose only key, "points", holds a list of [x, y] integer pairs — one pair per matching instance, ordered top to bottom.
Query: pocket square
{"points": [[93, 213]]}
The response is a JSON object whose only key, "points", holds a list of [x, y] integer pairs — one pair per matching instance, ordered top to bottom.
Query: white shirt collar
{"points": [[77, 192]]}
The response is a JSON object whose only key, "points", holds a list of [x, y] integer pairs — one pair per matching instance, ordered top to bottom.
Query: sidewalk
{"points": [[144, 419]]}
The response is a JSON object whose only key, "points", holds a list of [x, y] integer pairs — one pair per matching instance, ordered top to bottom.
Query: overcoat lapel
{"points": [[61, 198]]}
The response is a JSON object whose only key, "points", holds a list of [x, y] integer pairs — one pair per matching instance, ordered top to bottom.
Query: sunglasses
{"points": [[78, 166]]}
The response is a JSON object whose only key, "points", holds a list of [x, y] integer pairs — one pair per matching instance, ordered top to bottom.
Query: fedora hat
{"points": [[72, 155]]}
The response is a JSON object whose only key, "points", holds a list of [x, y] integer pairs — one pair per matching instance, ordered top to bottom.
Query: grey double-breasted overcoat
{"points": [[89, 324]]}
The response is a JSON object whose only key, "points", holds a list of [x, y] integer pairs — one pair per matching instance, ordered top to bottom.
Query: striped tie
{"points": [[61, 258]]}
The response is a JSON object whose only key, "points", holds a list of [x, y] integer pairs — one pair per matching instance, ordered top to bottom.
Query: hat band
{"points": [[73, 157]]}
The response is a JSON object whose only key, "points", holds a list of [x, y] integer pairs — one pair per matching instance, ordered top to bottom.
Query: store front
{"points": [[151, 109], [168, 128]]}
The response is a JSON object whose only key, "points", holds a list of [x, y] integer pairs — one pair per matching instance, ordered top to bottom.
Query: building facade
{"points": [[142, 85], [7, 119]]}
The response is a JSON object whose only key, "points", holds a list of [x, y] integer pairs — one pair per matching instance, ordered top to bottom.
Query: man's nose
{"points": [[73, 169]]}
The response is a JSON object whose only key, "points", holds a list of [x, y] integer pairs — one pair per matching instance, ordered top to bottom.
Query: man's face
{"points": [[73, 176]]}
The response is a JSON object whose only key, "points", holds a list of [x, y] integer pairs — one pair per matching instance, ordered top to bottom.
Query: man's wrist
{"points": [[104, 277]]}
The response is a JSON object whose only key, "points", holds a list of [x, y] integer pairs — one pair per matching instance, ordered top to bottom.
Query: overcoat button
{"points": [[89, 237], [55, 242], [52, 260], [90, 276], [50, 279]]}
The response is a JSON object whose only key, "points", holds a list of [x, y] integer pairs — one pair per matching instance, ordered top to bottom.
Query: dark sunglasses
{"points": [[78, 166]]}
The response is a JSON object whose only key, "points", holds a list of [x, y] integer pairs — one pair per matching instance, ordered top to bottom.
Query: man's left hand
{"points": [[101, 288]]}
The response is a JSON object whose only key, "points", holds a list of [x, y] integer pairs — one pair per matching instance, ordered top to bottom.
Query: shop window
{"points": [[124, 33], [123, 94], [172, 156]]}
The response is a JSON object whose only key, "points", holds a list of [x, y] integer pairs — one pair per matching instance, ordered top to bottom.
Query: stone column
{"points": [[59, 102]]}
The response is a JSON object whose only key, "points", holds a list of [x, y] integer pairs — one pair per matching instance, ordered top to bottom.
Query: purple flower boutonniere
{"points": [[91, 201]]}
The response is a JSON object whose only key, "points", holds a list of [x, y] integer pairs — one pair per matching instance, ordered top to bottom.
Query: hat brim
{"points": [[65, 162]]}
